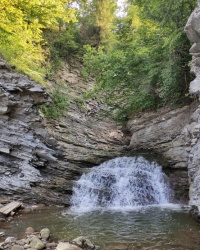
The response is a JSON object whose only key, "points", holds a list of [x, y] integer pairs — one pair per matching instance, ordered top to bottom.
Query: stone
{"points": [[192, 26], [192, 29], [193, 32], [195, 48], [195, 86], [4, 110], [5, 150], [29, 230], [45, 233], [10, 239], [23, 241], [83, 242], [36, 243], [51, 244], [1, 245], [26, 246], [67, 246], [17, 247]]}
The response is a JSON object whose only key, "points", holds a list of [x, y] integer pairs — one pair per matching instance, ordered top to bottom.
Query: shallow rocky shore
{"points": [[42, 240]]}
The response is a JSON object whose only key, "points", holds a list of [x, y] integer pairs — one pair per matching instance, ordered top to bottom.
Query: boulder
{"points": [[193, 32], [29, 230], [45, 233], [10, 239], [83, 242], [36, 243], [67, 246]]}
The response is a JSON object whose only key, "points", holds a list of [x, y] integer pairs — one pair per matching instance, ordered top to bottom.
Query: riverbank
{"points": [[42, 240]]}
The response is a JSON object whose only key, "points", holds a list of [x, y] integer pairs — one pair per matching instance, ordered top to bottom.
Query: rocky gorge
{"points": [[41, 157]]}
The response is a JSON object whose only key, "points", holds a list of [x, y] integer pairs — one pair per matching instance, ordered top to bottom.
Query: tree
{"points": [[96, 18], [21, 28], [148, 65]]}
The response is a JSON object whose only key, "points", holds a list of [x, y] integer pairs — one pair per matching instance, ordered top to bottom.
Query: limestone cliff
{"points": [[192, 29], [35, 167]]}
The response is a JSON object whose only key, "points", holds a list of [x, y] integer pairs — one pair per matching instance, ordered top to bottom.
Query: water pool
{"points": [[150, 227]]}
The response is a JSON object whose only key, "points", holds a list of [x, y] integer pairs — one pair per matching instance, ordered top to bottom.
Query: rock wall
{"points": [[192, 30], [193, 33], [165, 134], [87, 135], [34, 167]]}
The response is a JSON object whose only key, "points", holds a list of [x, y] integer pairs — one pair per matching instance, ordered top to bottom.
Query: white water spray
{"points": [[121, 183]]}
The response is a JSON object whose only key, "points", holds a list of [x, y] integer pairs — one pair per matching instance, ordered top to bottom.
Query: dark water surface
{"points": [[157, 228]]}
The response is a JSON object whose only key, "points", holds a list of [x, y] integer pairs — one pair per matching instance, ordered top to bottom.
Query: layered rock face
{"points": [[192, 29], [193, 33], [163, 132], [87, 135], [166, 135], [25, 147], [35, 167]]}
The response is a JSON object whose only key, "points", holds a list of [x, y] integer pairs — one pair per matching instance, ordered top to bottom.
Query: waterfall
{"points": [[121, 183]]}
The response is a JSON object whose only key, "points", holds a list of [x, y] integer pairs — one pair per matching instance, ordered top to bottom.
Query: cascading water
{"points": [[121, 183], [123, 189]]}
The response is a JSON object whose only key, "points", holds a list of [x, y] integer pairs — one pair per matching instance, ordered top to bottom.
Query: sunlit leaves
{"points": [[21, 30], [147, 67]]}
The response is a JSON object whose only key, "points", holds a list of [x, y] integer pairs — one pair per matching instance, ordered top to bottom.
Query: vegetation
{"points": [[96, 21], [21, 31], [140, 60], [147, 66], [59, 103]]}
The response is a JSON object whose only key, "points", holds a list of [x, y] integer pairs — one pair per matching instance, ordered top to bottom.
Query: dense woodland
{"points": [[139, 56]]}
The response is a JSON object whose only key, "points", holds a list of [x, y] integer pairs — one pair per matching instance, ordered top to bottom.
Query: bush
{"points": [[59, 103]]}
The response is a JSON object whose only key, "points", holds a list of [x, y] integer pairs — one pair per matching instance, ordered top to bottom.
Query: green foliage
{"points": [[96, 21], [21, 28], [61, 44], [147, 67], [59, 103]]}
